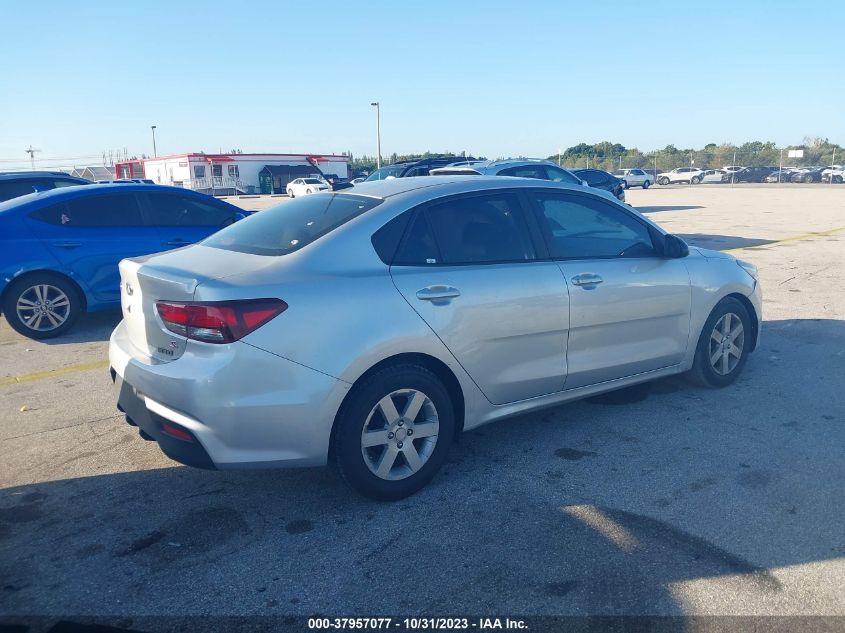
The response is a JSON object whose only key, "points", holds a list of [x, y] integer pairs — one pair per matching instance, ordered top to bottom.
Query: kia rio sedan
{"points": [[368, 329]]}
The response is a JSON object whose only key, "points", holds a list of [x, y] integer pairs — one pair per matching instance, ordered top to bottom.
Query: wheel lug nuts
{"points": [[401, 423], [410, 432], [399, 445]]}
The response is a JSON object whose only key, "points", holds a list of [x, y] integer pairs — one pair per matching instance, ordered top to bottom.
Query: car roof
{"points": [[11, 175], [450, 184], [68, 193]]}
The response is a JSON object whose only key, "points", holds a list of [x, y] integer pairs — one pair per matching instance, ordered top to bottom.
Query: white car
{"points": [[732, 168], [689, 175], [716, 175], [834, 175], [634, 178], [357, 181], [305, 186]]}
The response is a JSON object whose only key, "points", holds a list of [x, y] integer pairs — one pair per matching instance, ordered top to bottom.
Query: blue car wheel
{"points": [[42, 306]]}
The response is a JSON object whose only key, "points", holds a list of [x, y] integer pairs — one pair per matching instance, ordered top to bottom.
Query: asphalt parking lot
{"points": [[667, 500]]}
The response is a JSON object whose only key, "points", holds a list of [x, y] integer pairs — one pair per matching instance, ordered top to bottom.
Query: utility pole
{"points": [[153, 128], [378, 133], [31, 153]]}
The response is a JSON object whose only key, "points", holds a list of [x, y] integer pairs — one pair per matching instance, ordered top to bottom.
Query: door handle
{"points": [[178, 242], [68, 244], [587, 279], [433, 293]]}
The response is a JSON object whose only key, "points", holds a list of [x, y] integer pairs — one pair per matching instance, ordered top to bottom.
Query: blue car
{"points": [[59, 249]]}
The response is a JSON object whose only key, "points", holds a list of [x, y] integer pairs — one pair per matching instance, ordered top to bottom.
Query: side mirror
{"points": [[674, 247]]}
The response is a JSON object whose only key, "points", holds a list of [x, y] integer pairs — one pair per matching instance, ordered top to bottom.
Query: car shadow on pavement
{"points": [[670, 207], [722, 242], [92, 327], [683, 499]]}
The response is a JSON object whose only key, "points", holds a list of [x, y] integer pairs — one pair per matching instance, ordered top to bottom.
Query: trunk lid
{"points": [[172, 276]]}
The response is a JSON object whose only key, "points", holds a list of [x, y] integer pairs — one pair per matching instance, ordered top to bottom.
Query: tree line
{"points": [[610, 156]]}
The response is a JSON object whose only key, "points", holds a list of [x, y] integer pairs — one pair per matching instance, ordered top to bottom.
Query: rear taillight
{"points": [[218, 321]]}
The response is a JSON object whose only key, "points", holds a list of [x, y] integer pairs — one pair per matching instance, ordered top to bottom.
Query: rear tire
{"points": [[696, 180], [662, 181], [290, 193], [42, 306], [723, 346], [393, 463]]}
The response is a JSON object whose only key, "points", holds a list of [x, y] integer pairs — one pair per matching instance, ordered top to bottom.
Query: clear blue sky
{"points": [[493, 78]]}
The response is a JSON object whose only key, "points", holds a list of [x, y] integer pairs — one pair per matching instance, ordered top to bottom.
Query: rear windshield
{"points": [[291, 225]]}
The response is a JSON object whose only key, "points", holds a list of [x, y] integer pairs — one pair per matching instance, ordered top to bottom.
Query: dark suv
{"points": [[408, 168], [752, 174], [602, 180], [20, 183]]}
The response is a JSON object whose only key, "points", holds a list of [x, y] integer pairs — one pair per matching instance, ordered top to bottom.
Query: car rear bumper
{"points": [[239, 406]]}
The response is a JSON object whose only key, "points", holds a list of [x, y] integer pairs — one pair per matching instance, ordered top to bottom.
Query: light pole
{"points": [[153, 128], [378, 133]]}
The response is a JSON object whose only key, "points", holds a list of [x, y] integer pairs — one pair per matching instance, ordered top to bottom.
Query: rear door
{"points": [[183, 219], [89, 235], [467, 265], [629, 306]]}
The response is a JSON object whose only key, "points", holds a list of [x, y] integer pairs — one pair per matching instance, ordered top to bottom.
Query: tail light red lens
{"points": [[218, 321]]}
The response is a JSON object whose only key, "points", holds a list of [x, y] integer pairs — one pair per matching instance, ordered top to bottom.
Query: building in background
{"points": [[230, 174]]}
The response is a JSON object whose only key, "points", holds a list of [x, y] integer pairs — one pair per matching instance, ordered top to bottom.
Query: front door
{"points": [[90, 235], [467, 266], [629, 306]]}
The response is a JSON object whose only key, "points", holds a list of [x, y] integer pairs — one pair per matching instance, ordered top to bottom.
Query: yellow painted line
{"points": [[794, 238], [50, 373]]}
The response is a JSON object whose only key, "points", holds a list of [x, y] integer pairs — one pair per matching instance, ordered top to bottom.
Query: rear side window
{"points": [[593, 177], [14, 188], [175, 210], [94, 211], [289, 226], [581, 227], [480, 229], [419, 247]]}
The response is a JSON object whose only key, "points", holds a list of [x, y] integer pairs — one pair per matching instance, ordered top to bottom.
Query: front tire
{"points": [[696, 180], [662, 181], [646, 184], [290, 193], [42, 306], [723, 346], [394, 431]]}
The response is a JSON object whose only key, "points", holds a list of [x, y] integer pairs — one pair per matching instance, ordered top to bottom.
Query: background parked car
{"points": [[408, 168], [520, 168], [752, 174], [814, 174], [689, 175], [715, 175], [780, 175], [834, 176], [634, 178], [358, 180], [602, 180], [20, 183], [305, 186], [59, 249]]}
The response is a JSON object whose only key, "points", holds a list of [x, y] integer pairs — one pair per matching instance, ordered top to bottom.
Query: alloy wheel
{"points": [[43, 307], [726, 344], [396, 445]]}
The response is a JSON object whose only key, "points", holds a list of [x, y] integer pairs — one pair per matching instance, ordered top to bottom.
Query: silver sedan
{"points": [[370, 328]]}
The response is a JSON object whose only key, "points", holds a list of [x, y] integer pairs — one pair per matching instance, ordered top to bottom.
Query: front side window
{"points": [[392, 171], [524, 171], [556, 174], [13, 188], [174, 210], [94, 211], [288, 227], [581, 227], [480, 229]]}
